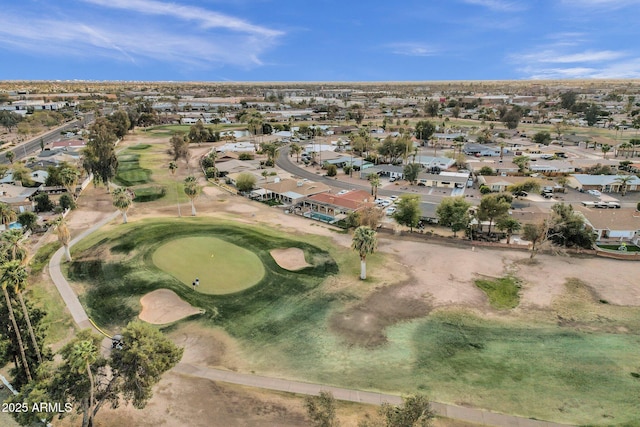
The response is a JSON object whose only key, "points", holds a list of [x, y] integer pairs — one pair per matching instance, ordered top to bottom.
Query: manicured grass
{"points": [[130, 172], [149, 194], [221, 267], [502, 292], [112, 296]]}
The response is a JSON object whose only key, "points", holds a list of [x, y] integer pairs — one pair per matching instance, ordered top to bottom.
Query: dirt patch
{"points": [[290, 258], [164, 306], [365, 323], [185, 401]]}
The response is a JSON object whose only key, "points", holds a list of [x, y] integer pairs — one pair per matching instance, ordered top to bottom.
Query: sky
{"points": [[318, 40]]}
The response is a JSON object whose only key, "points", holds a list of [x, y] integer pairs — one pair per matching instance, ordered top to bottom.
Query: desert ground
{"points": [[418, 277]]}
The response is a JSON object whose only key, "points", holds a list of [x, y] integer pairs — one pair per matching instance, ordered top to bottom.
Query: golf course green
{"points": [[221, 267]]}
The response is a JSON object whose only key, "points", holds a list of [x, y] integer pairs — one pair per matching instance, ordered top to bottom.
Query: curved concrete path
{"points": [[471, 415]]}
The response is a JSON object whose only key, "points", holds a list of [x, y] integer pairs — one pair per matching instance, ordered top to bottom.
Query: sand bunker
{"points": [[290, 259], [164, 306]]}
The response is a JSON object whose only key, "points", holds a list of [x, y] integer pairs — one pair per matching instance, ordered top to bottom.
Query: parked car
{"points": [[392, 179], [341, 192], [594, 192], [521, 194], [547, 195], [393, 198], [386, 203], [390, 211]]}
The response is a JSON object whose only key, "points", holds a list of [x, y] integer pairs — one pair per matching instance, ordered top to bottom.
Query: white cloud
{"points": [[609, 4], [498, 5], [206, 18], [217, 40], [130, 43], [410, 49], [553, 56]]}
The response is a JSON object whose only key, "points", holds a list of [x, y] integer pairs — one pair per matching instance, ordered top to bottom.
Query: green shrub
{"points": [[332, 170], [67, 202]]}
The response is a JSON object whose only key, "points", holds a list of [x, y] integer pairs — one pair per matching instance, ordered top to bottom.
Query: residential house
{"points": [[479, 150], [430, 162], [505, 167], [391, 171], [444, 179], [500, 183], [603, 183], [290, 191], [17, 197], [337, 204], [610, 225]]}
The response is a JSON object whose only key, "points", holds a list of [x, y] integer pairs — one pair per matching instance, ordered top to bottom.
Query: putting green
{"points": [[221, 267]]}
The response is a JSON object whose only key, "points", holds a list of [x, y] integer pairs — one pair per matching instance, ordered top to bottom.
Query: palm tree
{"points": [[625, 146], [296, 149], [605, 149], [213, 155], [173, 166], [69, 178], [374, 180], [624, 181], [192, 190], [122, 200], [7, 215], [509, 225], [64, 236], [365, 243], [12, 244], [15, 275], [5, 282], [83, 355]]}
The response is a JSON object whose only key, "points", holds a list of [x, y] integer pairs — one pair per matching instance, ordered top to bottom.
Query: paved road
{"points": [[26, 149], [472, 415]]}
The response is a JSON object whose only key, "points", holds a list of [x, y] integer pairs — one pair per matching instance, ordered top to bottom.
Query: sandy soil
{"points": [[290, 258], [164, 306]]}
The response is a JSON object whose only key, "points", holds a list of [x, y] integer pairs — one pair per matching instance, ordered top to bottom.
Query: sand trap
{"points": [[290, 259], [164, 306]]}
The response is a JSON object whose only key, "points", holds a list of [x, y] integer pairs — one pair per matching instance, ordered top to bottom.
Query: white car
{"points": [[594, 192], [393, 198], [378, 201], [386, 203], [390, 211]]}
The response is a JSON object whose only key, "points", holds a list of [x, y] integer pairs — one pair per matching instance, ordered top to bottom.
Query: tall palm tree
{"points": [[297, 149], [605, 149], [173, 167], [69, 178], [374, 180], [624, 181], [192, 190], [122, 200], [7, 215], [509, 225], [64, 236], [364, 242], [13, 246], [15, 275], [5, 282], [83, 355]]}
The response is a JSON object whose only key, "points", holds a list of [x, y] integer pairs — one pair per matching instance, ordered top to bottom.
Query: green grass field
{"points": [[130, 172], [221, 267], [502, 292], [582, 370]]}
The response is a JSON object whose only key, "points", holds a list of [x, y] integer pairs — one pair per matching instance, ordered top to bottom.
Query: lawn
{"points": [[130, 172], [630, 248], [220, 267], [502, 292], [583, 369]]}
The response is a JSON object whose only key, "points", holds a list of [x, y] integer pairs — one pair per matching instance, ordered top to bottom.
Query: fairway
{"points": [[221, 267]]}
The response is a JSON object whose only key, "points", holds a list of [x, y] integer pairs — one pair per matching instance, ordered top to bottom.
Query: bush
{"points": [[245, 156], [332, 170], [210, 172], [484, 189], [66, 202], [43, 203], [638, 207], [28, 220]]}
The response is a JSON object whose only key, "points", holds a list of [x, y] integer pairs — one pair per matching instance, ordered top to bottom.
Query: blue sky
{"points": [[318, 40]]}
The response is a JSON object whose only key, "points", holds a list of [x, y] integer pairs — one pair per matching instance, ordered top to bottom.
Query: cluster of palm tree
{"points": [[13, 279]]}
